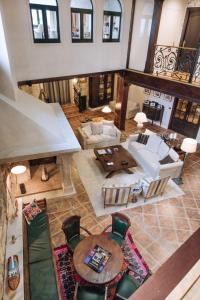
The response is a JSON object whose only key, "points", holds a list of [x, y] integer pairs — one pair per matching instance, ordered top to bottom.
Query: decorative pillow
{"points": [[98, 119], [106, 122], [97, 128], [87, 130], [109, 130], [142, 138], [153, 143], [163, 150], [173, 154], [166, 160], [31, 211]]}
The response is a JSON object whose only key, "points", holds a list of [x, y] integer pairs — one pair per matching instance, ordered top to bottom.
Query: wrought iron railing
{"points": [[179, 63]]}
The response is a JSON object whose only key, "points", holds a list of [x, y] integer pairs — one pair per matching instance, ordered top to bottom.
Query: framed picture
{"points": [[147, 91], [156, 94], [168, 97]]}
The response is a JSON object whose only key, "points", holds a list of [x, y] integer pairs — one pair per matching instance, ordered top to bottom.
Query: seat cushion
{"points": [[109, 130], [137, 146], [117, 238], [38, 239], [73, 242], [43, 281], [127, 286], [90, 293]]}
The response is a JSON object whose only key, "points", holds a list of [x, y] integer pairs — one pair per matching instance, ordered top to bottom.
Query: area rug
{"points": [[93, 177], [67, 276]]}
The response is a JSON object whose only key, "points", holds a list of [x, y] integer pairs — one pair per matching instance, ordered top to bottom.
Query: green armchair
{"points": [[120, 225], [71, 227], [128, 285], [90, 293]]}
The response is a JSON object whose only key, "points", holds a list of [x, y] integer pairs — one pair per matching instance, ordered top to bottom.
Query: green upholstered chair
{"points": [[120, 225], [71, 227], [128, 285], [90, 293]]}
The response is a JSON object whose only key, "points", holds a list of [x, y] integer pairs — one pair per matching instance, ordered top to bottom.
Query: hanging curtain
{"points": [[56, 91]]}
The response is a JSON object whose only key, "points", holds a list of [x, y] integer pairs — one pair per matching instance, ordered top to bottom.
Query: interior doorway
{"points": [[191, 35], [185, 118]]}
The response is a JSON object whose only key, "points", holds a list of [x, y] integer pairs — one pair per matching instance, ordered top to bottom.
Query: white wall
{"points": [[171, 23], [141, 32], [66, 58], [6, 79], [137, 95]]}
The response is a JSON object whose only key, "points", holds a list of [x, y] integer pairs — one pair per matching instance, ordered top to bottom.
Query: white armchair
{"points": [[98, 134]]}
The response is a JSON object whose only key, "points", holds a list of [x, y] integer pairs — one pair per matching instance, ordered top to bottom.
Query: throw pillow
{"points": [[97, 128], [87, 130], [109, 130], [142, 138], [153, 143], [163, 150], [173, 154], [166, 160], [31, 211]]}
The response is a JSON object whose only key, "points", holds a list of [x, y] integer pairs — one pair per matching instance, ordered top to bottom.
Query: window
{"points": [[44, 15], [82, 21], [112, 21]]}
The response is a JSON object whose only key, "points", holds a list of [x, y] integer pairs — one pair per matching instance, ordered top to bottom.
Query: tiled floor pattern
{"points": [[157, 229]]}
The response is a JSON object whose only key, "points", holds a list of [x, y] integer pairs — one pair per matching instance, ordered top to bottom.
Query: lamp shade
{"points": [[106, 109], [140, 117], [189, 145], [18, 170]]}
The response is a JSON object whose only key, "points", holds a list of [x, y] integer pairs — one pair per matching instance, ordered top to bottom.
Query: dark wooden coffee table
{"points": [[121, 158], [113, 266]]}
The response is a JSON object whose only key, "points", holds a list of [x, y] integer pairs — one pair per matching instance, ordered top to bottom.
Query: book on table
{"points": [[97, 258]]}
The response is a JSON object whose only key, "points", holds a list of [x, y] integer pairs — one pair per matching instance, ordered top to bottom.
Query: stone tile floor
{"points": [[158, 229]]}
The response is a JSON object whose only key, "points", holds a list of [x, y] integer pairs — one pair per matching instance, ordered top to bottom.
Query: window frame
{"points": [[44, 9], [82, 11], [112, 14]]}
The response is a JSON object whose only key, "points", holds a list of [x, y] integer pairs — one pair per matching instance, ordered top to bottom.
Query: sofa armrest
{"points": [[118, 133], [82, 137], [132, 137], [176, 164]]}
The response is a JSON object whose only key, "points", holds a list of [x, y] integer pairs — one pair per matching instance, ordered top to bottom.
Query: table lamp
{"points": [[106, 109], [140, 118], [188, 146]]}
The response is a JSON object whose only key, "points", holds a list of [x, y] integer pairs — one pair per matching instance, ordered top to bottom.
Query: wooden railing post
{"points": [[121, 102]]}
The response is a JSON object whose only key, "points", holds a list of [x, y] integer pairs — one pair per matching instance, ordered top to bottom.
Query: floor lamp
{"points": [[188, 146]]}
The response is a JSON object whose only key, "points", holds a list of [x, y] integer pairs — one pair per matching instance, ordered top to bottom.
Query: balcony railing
{"points": [[178, 63]]}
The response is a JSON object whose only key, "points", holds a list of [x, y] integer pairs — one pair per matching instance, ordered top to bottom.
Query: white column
{"points": [[65, 162]]}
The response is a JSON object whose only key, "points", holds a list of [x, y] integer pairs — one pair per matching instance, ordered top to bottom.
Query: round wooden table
{"points": [[113, 266]]}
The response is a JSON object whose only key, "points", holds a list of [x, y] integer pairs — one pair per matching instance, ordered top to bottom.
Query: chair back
{"points": [[157, 187], [114, 196], [120, 224], [71, 227]]}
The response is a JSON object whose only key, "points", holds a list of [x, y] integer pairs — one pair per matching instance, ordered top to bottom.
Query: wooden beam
{"points": [[158, 4], [130, 33], [67, 77], [171, 87], [121, 103], [160, 285]]}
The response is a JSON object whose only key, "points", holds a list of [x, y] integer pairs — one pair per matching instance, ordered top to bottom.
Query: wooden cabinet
{"points": [[101, 89], [153, 110]]}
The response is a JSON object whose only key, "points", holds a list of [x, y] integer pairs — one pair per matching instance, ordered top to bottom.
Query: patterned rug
{"points": [[67, 276]]}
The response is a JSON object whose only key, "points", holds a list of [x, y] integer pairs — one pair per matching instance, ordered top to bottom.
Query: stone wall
{"points": [[3, 227]]}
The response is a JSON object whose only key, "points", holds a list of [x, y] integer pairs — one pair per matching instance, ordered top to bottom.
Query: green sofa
{"points": [[42, 278]]}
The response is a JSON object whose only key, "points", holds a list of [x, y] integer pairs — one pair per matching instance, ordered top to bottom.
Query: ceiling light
{"points": [[18, 170]]}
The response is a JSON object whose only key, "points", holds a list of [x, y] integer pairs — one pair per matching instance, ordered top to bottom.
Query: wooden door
{"points": [[191, 33], [186, 118]]}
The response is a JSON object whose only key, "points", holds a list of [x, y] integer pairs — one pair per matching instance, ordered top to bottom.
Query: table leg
{"points": [[128, 171], [110, 174]]}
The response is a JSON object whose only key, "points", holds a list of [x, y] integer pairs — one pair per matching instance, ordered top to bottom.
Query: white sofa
{"points": [[98, 134], [149, 155]]}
